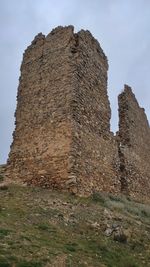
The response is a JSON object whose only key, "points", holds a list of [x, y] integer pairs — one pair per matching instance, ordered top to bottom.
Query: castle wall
{"points": [[62, 137], [41, 145], [134, 149], [95, 150]]}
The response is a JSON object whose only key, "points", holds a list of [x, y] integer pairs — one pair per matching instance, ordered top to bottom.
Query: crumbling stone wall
{"points": [[62, 137], [134, 146], [94, 149], [40, 151]]}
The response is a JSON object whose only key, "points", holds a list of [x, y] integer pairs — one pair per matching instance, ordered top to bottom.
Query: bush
{"points": [[99, 197], [4, 232], [72, 247]]}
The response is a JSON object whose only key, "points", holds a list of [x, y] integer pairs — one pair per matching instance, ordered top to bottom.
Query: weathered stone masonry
{"points": [[62, 138], [134, 146]]}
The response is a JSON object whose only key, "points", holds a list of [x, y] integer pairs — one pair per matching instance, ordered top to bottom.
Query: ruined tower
{"points": [[62, 137], [134, 146]]}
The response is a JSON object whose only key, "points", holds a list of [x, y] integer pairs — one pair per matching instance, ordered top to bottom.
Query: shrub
{"points": [[99, 197]]}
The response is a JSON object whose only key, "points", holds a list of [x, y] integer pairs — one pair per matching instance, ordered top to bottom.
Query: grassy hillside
{"points": [[43, 228]]}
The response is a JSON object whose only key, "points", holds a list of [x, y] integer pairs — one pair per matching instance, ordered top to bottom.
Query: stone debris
{"points": [[108, 214], [95, 225], [108, 231], [117, 232], [120, 236]]}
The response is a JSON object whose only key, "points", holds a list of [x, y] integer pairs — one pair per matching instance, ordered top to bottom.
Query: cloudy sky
{"points": [[121, 26]]}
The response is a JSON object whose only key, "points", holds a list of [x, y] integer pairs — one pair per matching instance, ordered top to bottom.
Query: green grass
{"points": [[1, 178], [99, 197], [37, 226], [4, 232], [9, 263]]}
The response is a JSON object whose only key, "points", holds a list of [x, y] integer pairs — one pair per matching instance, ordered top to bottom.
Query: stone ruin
{"points": [[62, 138], [134, 146]]}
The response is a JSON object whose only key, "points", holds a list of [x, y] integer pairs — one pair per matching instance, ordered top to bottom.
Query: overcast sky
{"points": [[121, 26]]}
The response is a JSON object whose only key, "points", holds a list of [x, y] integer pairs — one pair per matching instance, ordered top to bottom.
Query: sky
{"points": [[121, 26]]}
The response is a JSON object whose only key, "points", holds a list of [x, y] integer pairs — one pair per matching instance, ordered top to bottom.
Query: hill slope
{"points": [[43, 228]]}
